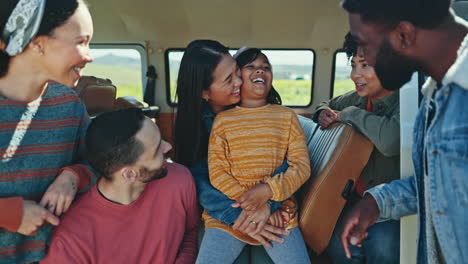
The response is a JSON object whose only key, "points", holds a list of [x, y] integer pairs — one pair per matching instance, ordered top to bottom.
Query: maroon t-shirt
{"points": [[161, 226]]}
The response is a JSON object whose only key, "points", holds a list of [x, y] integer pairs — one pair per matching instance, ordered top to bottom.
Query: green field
{"points": [[342, 86], [293, 92]]}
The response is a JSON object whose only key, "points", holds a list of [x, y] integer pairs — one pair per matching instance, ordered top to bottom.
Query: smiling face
{"points": [[66, 50], [257, 78], [366, 81], [225, 88], [151, 163]]}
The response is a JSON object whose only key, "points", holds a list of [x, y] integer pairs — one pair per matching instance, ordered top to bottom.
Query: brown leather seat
{"points": [[97, 94], [338, 155]]}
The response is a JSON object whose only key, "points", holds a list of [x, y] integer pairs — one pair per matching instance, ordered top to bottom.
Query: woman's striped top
{"points": [[37, 139]]}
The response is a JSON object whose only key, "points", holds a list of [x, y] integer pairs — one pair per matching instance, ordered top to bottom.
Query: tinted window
{"points": [[123, 66], [292, 74], [342, 82]]}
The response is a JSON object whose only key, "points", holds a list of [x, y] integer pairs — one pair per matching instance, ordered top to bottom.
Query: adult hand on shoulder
{"points": [[327, 117], [61, 193], [255, 197], [35, 216], [252, 221], [356, 223]]}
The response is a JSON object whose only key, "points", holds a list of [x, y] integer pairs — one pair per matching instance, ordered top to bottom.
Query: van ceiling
{"points": [[262, 23]]}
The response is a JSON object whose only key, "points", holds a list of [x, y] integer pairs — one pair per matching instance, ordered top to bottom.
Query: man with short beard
{"points": [[399, 37], [141, 210]]}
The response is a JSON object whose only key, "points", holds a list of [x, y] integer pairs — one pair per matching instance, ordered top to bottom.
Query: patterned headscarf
{"points": [[22, 25]]}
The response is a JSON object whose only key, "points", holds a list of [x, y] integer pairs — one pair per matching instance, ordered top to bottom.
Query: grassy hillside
{"points": [[343, 86], [294, 92]]}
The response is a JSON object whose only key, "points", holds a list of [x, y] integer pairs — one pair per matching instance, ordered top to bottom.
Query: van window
{"points": [[173, 58], [122, 65], [293, 72], [342, 82]]}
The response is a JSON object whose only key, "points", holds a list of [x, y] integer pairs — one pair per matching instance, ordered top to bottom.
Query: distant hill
{"points": [[115, 60]]}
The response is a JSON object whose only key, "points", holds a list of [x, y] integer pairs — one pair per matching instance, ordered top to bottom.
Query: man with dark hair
{"points": [[400, 37], [142, 209]]}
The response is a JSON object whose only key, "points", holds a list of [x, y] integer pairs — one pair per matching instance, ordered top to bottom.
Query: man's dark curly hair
{"points": [[426, 14], [350, 46]]}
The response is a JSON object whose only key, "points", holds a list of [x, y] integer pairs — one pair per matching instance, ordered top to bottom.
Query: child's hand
{"points": [[255, 197], [285, 217], [277, 219]]}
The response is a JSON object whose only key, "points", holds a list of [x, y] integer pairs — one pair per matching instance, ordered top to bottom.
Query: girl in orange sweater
{"points": [[247, 144]]}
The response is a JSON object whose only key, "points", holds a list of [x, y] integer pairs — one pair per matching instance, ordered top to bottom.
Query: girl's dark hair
{"points": [[56, 13], [350, 46], [245, 56], [195, 75]]}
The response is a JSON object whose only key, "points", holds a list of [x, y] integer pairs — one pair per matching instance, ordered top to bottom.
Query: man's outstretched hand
{"points": [[356, 223]]}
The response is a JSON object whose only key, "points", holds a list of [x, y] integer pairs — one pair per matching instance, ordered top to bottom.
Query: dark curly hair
{"points": [[426, 14], [350, 46]]}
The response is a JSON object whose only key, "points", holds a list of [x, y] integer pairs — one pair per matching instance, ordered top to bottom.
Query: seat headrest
{"points": [[97, 94]]}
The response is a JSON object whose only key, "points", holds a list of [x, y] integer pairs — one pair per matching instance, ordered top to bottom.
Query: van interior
{"points": [[138, 45]]}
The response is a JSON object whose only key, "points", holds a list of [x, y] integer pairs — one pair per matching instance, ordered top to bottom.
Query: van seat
{"points": [[97, 94], [337, 155]]}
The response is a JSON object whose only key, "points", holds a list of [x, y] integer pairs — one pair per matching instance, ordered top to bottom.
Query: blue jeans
{"points": [[382, 245], [219, 246]]}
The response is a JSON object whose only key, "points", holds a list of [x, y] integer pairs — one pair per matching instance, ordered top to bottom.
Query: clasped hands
{"points": [[255, 219]]}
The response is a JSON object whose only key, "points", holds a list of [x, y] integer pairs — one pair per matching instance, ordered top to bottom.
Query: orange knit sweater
{"points": [[246, 146]]}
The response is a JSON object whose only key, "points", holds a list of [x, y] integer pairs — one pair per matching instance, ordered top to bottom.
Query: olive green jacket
{"points": [[381, 126]]}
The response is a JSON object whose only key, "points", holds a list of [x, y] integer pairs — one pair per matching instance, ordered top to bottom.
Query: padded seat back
{"points": [[97, 94], [337, 155]]}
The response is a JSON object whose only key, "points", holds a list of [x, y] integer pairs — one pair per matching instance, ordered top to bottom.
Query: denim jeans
{"points": [[382, 245], [220, 247], [250, 254]]}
